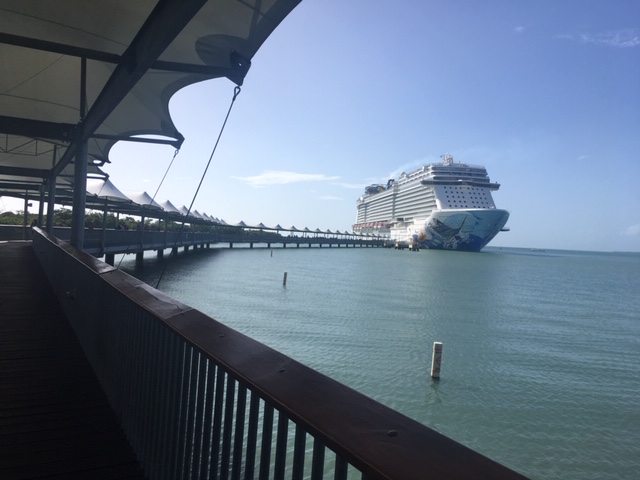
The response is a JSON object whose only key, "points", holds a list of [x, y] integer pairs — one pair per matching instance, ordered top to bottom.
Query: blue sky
{"points": [[545, 94]]}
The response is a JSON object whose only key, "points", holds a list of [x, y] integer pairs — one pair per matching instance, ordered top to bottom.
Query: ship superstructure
{"points": [[444, 205]]}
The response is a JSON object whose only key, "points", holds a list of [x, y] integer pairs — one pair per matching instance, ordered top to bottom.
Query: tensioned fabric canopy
{"points": [[76, 71]]}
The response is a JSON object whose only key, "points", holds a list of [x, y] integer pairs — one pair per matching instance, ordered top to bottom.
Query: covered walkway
{"points": [[55, 421]]}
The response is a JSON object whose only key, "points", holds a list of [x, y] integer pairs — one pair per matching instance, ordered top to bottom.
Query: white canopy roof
{"points": [[137, 55], [105, 189], [144, 200], [170, 207]]}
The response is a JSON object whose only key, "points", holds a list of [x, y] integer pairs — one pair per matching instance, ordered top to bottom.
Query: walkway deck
{"points": [[55, 421]]}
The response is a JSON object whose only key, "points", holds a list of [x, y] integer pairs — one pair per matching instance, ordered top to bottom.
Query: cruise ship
{"points": [[444, 205]]}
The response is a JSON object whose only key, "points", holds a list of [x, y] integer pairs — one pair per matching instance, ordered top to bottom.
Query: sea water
{"points": [[541, 350]]}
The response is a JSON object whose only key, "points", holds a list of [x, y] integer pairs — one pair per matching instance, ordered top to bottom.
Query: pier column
{"points": [[230, 244], [250, 244], [174, 250], [161, 253], [139, 257], [109, 258]]}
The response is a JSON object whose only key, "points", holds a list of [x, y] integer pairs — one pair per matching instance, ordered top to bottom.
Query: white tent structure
{"points": [[104, 189], [144, 200], [170, 207]]}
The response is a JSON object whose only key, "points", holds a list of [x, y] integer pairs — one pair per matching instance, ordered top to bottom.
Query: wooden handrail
{"points": [[377, 440]]}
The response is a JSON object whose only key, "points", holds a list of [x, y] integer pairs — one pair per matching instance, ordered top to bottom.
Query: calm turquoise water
{"points": [[541, 356]]}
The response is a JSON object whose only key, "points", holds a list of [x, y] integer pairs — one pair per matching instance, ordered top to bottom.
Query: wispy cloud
{"points": [[624, 38], [275, 177], [632, 230]]}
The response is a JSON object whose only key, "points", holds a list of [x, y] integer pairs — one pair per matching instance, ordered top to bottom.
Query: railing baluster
{"points": [[137, 377], [146, 385], [155, 396], [192, 399], [183, 409], [173, 420], [217, 423], [199, 426], [227, 428], [267, 435], [252, 437], [238, 441], [281, 447], [299, 453], [157, 461], [317, 463], [205, 468], [341, 468]]}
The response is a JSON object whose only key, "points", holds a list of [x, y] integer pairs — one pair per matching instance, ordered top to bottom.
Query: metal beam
{"points": [[166, 21], [97, 55], [25, 127], [125, 138], [24, 172], [18, 186]]}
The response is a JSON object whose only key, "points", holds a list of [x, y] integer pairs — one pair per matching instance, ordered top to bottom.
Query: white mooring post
{"points": [[436, 359]]}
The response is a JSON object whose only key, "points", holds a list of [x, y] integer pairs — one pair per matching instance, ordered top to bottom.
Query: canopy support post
{"points": [[80, 170], [51, 196], [51, 201], [41, 206], [25, 218], [104, 227]]}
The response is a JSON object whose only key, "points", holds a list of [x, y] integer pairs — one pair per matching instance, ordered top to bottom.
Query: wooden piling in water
{"points": [[436, 360]]}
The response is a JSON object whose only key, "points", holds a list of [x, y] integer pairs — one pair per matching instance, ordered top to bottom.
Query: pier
{"points": [[110, 242], [192, 397]]}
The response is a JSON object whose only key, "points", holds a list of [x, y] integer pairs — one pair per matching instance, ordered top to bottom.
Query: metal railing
{"points": [[99, 241], [199, 400]]}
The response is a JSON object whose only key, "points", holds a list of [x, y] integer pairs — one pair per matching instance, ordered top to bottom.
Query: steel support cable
{"points": [[236, 92], [175, 154]]}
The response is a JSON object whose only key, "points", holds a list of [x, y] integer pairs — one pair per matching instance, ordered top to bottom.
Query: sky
{"points": [[343, 94]]}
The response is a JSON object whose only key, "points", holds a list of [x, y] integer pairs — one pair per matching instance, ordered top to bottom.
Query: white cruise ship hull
{"points": [[444, 205], [466, 230]]}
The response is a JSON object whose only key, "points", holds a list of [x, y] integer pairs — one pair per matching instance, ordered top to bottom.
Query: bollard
{"points": [[284, 280], [436, 360]]}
